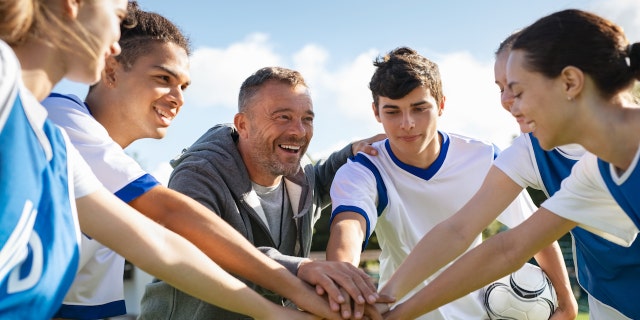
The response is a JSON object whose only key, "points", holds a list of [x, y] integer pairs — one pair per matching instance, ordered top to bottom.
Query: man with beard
{"points": [[254, 174]]}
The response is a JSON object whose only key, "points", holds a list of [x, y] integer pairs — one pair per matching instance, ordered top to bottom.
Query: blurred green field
{"points": [[582, 316]]}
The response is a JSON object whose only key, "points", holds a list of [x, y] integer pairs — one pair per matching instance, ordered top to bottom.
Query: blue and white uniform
{"points": [[39, 170], [403, 203], [608, 272], [97, 291]]}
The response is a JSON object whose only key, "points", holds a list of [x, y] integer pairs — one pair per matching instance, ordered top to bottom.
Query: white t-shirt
{"points": [[403, 203], [97, 291]]}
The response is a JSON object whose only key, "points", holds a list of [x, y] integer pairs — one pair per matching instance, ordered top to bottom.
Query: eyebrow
{"points": [[171, 72], [415, 104], [308, 112]]}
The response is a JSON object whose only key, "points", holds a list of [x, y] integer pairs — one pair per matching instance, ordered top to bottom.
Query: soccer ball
{"points": [[526, 294]]}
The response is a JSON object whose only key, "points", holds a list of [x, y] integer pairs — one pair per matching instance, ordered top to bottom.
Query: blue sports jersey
{"points": [[39, 234], [607, 271]]}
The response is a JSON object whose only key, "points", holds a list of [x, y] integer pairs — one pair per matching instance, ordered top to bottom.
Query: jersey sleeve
{"points": [[517, 163], [116, 170], [84, 181], [354, 189], [584, 198], [519, 210]]}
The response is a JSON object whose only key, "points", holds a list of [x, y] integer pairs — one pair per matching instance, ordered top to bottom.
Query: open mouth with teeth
{"points": [[165, 116], [290, 148]]}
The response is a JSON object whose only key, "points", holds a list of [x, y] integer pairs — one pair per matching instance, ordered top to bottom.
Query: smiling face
{"points": [[142, 101], [540, 102], [411, 126], [275, 131]]}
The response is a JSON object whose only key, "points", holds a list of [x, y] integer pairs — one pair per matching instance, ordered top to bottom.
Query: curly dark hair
{"points": [[140, 29], [401, 71]]}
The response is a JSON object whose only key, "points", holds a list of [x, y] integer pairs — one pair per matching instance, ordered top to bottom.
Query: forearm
{"points": [[457, 232], [346, 238], [217, 239], [508, 250], [166, 255], [427, 258], [551, 261], [471, 272]]}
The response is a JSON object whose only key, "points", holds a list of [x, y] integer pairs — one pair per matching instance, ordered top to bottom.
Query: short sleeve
{"points": [[516, 162], [354, 189], [585, 199]]}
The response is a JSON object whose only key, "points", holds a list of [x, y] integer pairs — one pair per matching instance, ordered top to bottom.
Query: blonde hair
{"points": [[21, 20]]}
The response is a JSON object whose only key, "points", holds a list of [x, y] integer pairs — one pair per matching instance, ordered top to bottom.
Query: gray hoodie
{"points": [[212, 172]]}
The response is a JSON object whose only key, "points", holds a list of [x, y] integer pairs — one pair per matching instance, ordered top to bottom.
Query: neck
{"points": [[41, 67], [100, 103], [612, 134], [423, 158], [256, 173]]}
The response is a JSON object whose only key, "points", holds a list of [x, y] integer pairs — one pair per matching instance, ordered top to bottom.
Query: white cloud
{"points": [[625, 13], [216, 74], [342, 100], [473, 103]]}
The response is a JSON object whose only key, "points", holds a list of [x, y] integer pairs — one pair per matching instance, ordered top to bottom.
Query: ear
{"points": [[110, 71], [572, 80], [441, 106], [376, 112], [240, 122]]}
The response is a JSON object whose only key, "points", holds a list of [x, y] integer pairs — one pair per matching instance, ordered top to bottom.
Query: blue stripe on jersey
{"points": [[69, 97], [552, 165], [427, 173], [137, 188], [627, 195], [383, 198], [359, 211], [607, 271], [36, 287], [91, 312]]}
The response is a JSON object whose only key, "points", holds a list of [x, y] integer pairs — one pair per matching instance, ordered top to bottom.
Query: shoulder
{"points": [[64, 100], [467, 145]]}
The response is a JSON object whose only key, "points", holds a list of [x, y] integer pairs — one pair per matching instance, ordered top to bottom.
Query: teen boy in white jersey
{"points": [[139, 94], [420, 177]]}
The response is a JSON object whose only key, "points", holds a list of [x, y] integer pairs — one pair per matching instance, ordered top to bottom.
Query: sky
{"points": [[333, 43]]}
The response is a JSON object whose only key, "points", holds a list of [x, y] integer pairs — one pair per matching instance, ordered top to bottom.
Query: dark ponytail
{"points": [[634, 59]]}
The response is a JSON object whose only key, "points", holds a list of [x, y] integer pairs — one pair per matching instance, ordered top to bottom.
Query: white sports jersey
{"points": [[585, 198], [403, 203], [39, 234], [609, 273], [97, 291]]}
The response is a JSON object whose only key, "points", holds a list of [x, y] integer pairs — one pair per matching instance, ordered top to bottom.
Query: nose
{"points": [[176, 96], [506, 99], [514, 109], [407, 121], [297, 128]]}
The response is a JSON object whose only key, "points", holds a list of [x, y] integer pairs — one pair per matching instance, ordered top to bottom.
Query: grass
{"points": [[582, 316]]}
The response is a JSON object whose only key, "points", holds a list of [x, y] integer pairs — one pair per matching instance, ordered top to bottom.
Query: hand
{"points": [[365, 145], [331, 276], [377, 310]]}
